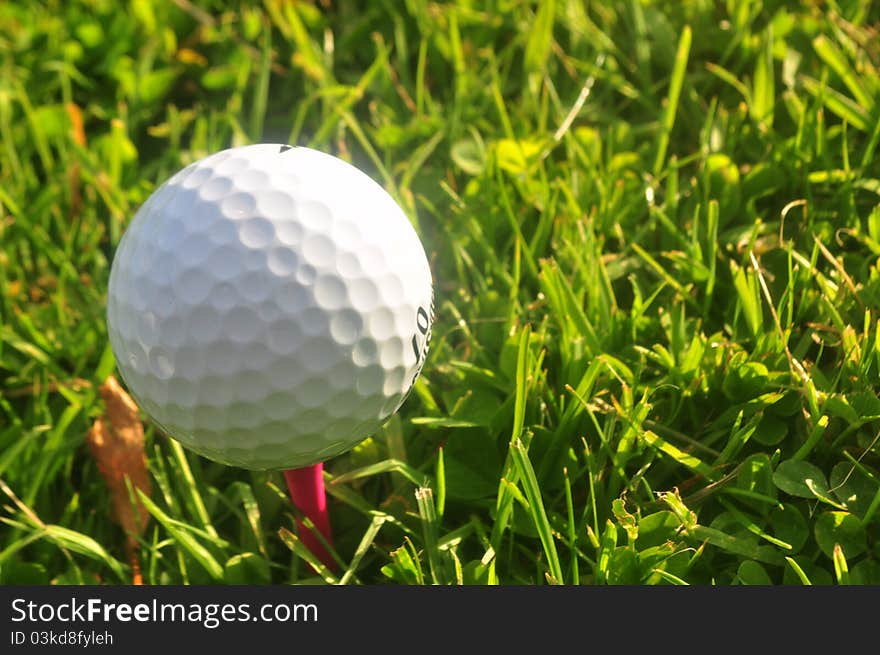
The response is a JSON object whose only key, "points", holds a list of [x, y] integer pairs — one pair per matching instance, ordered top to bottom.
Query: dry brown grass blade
{"points": [[77, 129], [78, 135], [116, 441]]}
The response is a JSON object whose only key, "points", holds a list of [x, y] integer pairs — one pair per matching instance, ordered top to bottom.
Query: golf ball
{"points": [[270, 306]]}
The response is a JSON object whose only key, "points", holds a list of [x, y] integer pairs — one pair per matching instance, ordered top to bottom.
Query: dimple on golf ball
{"points": [[270, 306]]}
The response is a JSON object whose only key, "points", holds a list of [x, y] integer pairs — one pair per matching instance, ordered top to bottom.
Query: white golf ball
{"points": [[270, 306]]}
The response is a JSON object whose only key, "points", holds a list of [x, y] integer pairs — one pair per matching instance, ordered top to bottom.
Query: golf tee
{"points": [[306, 487]]}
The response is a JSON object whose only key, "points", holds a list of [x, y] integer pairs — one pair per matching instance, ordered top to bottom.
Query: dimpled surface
{"points": [[270, 306]]}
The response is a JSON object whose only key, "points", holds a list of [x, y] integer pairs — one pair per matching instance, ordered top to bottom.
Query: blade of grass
{"points": [[676, 81], [504, 500], [425, 501], [537, 510], [181, 534], [367, 540], [302, 551]]}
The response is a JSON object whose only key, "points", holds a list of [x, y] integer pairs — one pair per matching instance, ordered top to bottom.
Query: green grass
{"points": [[654, 230]]}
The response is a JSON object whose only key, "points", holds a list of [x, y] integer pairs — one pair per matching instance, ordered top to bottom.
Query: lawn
{"points": [[654, 231]]}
